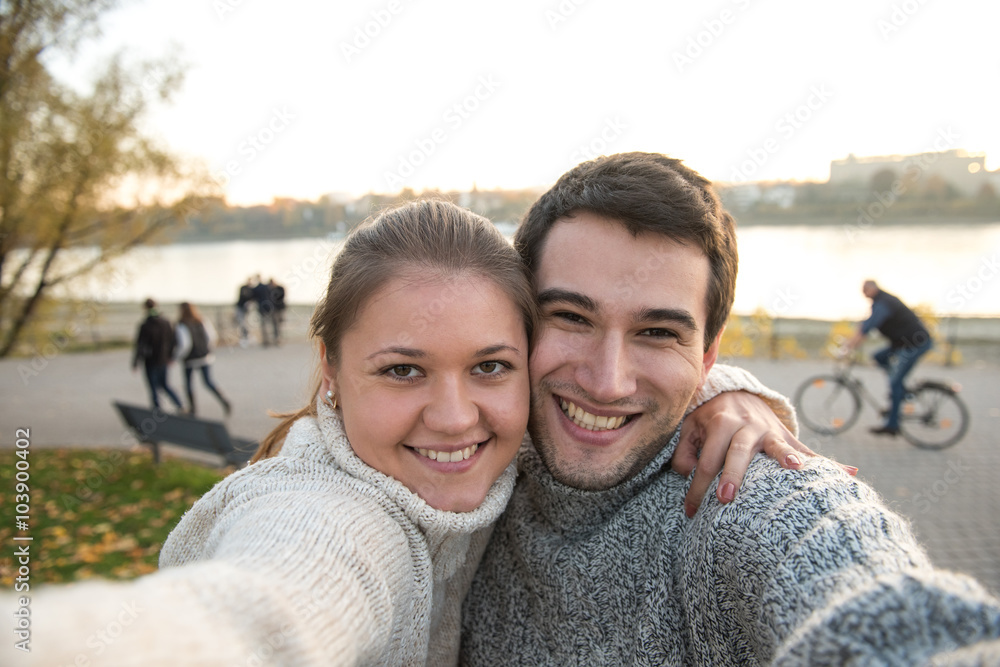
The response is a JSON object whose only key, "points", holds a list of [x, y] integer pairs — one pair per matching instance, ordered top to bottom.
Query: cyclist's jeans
{"points": [[898, 363]]}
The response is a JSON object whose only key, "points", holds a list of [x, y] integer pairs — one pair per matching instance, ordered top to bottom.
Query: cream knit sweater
{"points": [[308, 558]]}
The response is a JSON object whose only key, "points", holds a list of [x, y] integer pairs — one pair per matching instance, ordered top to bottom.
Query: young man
{"points": [[908, 341], [154, 346], [594, 562]]}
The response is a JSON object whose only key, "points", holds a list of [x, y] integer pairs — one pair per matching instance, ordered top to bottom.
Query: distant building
{"points": [[966, 172], [741, 196]]}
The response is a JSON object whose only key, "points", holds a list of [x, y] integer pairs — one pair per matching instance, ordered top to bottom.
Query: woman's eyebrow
{"points": [[555, 294], [493, 349], [404, 351]]}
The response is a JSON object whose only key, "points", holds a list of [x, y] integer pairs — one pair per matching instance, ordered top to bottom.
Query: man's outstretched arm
{"points": [[810, 567]]}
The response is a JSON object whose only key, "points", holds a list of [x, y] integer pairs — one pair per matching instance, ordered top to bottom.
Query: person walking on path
{"points": [[242, 306], [278, 315], [196, 339], [908, 341], [154, 345]]}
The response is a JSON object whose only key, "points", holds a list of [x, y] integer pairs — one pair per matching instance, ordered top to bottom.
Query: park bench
{"points": [[153, 427]]}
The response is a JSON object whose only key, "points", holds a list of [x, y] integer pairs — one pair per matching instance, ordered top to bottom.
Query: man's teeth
{"points": [[584, 419], [448, 457]]}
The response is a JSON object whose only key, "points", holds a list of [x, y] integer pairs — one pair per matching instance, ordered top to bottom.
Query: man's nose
{"points": [[604, 371]]}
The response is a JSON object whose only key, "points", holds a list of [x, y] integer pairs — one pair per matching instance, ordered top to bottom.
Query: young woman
{"points": [[196, 339], [354, 535]]}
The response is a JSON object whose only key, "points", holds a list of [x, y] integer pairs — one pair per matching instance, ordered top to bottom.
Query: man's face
{"points": [[621, 349]]}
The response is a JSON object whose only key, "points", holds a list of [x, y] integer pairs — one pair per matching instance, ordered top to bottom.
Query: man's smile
{"points": [[590, 421]]}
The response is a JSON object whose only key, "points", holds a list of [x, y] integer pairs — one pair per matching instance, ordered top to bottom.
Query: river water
{"points": [[788, 271]]}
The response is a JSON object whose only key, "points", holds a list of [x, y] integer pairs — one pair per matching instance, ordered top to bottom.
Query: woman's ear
{"points": [[328, 371]]}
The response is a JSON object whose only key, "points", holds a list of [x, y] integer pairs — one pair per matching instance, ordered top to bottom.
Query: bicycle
{"points": [[932, 415]]}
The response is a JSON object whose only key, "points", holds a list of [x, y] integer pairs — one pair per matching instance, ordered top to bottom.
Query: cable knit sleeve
{"points": [[723, 378], [809, 567], [295, 576]]}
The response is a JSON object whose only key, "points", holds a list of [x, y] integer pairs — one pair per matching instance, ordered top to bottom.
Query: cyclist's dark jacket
{"points": [[896, 322]]}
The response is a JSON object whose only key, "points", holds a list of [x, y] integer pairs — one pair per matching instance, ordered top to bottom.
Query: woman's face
{"points": [[432, 382]]}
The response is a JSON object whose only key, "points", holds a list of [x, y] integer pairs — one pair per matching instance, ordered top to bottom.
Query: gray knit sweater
{"points": [[804, 568]]}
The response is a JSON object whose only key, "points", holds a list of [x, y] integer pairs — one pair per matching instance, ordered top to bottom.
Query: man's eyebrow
{"points": [[554, 294], [676, 315], [405, 351]]}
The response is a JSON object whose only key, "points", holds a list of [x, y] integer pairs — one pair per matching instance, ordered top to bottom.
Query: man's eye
{"points": [[569, 317], [659, 333]]}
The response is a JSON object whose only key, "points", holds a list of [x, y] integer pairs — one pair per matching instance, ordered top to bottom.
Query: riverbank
{"points": [[86, 327]]}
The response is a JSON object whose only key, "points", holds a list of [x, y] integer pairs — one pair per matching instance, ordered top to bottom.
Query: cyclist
{"points": [[908, 341]]}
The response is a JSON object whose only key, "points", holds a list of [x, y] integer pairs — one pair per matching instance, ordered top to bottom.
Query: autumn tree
{"points": [[77, 169]]}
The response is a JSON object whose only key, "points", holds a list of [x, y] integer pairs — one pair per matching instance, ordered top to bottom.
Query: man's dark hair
{"points": [[646, 192]]}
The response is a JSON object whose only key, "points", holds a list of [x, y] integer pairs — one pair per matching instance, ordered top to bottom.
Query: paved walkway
{"points": [[951, 496]]}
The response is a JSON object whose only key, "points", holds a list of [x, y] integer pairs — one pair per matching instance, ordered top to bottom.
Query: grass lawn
{"points": [[96, 513]]}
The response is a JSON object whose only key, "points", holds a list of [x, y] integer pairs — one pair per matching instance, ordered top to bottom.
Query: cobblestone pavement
{"points": [[951, 496]]}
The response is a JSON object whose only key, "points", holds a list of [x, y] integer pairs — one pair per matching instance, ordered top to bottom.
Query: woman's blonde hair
{"points": [[432, 237]]}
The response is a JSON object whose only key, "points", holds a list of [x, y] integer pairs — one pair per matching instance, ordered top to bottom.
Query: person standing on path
{"points": [[242, 306], [265, 308], [196, 339], [908, 341], [154, 345]]}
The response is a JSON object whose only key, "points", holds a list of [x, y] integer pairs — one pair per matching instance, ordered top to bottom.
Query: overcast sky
{"points": [[297, 99]]}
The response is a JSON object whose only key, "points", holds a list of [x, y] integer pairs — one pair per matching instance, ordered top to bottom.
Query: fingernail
{"points": [[793, 461], [851, 470], [728, 492]]}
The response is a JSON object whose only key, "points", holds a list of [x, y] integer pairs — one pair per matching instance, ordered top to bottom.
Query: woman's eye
{"points": [[490, 368], [403, 371]]}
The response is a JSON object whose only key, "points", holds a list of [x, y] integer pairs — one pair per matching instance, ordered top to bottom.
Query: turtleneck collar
{"points": [[573, 511], [448, 533]]}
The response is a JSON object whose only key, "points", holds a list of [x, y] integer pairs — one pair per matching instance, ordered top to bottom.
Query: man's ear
{"points": [[711, 354]]}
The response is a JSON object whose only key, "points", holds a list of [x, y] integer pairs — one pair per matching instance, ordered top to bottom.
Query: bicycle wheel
{"points": [[827, 405], [933, 416]]}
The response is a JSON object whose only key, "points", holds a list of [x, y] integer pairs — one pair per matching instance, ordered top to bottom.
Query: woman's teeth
{"points": [[584, 419], [448, 457]]}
